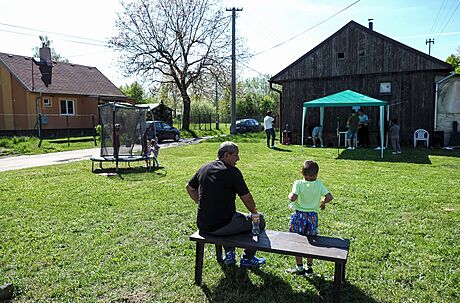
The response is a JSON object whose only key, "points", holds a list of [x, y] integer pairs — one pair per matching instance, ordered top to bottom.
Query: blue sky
{"points": [[87, 24]]}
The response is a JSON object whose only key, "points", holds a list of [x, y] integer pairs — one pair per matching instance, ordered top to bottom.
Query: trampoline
{"points": [[123, 135]]}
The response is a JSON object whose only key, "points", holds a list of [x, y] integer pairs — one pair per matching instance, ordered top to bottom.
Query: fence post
{"points": [[40, 130], [68, 130], [94, 130]]}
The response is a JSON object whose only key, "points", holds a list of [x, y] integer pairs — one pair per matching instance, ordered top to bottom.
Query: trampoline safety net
{"points": [[131, 120]]}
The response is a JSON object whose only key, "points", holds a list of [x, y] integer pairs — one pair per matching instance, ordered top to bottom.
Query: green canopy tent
{"points": [[345, 98]]}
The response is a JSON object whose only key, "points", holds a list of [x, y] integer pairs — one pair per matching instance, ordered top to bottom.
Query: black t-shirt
{"points": [[217, 184]]}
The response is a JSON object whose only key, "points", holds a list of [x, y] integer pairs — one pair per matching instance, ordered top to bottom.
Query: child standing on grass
{"points": [[152, 147], [306, 196]]}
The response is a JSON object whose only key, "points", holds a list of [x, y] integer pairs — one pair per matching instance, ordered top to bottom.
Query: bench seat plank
{"points": [[317, 247]]}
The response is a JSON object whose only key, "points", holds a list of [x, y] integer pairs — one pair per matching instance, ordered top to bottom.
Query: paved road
{"points": [[19, 162]]}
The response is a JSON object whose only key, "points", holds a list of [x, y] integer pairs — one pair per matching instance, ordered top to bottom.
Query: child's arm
{"points": [[292, 196], [327, 198]]}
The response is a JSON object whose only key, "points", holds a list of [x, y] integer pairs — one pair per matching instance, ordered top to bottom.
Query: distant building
{"points": [[362, 60], [70, 102]]}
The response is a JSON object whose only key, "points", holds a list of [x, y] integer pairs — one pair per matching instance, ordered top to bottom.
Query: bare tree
{"points": [[178, 41]]}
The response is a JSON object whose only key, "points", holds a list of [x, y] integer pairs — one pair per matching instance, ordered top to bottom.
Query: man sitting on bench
{"points": [[214, 187]]}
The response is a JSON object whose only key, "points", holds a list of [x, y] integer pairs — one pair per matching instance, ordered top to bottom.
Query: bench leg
{"points": [[219, 253], [199, 262], [343, 273], [338, 276]]}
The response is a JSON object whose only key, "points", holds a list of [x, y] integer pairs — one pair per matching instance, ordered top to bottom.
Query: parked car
{"points": [[248, 125], [162, 130]]}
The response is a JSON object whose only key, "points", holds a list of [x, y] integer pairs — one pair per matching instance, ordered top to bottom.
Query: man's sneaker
{"points": [[313, 146], [350, 147], [398, 152], [394, 153], [230, 258], [254, 262], [296, 271], [309, 271]]}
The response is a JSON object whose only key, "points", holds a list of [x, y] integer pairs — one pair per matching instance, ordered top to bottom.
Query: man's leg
{"points": [[267, 133], [273, 136], [241, 223]]}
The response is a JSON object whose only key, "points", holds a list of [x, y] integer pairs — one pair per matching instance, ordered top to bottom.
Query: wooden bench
{"points": [[316, 247]]}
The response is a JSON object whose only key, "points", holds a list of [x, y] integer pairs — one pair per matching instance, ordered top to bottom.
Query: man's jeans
{"points": [[241, 223]]}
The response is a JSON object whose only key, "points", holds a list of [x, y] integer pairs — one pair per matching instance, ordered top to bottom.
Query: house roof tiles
{"points": [[67, 78]]}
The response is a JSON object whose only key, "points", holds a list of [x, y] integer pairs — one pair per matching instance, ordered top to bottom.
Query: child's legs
{"points": [[394, 143], [304, 223]]}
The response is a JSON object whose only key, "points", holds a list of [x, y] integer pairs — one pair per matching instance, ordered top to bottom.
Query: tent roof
{"points": [[345, 98]]}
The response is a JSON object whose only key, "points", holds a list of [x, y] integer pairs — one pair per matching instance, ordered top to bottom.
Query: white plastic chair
{"points": [[421, 135]]}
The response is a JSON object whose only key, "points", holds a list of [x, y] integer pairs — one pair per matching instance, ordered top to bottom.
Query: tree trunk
{"points": [[186, 112]]}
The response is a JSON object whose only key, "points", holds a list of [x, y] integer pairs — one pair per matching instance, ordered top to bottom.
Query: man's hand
{"points": [[322, 205]]}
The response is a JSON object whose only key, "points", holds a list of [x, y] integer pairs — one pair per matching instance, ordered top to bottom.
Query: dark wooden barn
{"points": [[362, 60]]}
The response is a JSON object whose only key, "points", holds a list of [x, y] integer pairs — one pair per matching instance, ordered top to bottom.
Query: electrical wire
{"points": [[437, 17], [448, 20], [308, 29], [54, 33]]}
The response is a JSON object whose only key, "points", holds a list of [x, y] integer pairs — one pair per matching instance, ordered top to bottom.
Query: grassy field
{"points": [[29, 145], [68, 235]]}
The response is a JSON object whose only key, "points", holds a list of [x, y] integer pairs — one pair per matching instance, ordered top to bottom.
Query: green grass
{"points": [[29, 145], [68, 235]]}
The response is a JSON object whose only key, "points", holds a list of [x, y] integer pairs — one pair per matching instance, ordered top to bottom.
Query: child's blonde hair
{"points": [[310, 169]]}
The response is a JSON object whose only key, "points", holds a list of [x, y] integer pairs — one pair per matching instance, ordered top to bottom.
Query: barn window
{"points": [[341, 55], [67, 107]]}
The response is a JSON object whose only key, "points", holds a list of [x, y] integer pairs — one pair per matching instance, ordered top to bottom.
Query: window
{"points": [[340, 55], [385, 87], [47, 102], [67, 107]]}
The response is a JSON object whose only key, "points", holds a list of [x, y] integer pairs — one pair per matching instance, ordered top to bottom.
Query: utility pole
{"points": [[429, 42], [217, 107], [233, 124]]}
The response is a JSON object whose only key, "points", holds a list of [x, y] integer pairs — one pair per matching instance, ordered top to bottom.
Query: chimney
{"points": [[371, 24], [45, 55], [45, 65]]}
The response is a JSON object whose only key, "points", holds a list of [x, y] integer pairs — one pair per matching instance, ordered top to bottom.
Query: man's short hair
{"points": [[353, 111], [269, 113], [226, 147], [310, 168]]}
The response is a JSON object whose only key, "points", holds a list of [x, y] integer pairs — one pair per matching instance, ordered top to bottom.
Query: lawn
{"points": [[68, 235]]}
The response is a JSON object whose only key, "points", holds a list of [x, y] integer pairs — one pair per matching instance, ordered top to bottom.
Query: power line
{"points": [[437, 17], [448, 20], [308, 29], [54, 33], [73, 41], [247, 66]]}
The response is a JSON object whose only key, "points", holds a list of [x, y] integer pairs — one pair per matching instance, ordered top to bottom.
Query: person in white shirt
{"points": [[269, 130]]}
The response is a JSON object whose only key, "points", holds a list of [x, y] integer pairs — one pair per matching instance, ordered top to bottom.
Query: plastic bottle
{"points": [[255, 217]]}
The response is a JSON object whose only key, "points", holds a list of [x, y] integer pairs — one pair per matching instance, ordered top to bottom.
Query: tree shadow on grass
{"points": [[237, 287]]}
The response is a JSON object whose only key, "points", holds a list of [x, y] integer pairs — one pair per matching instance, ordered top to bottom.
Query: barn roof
{"points": [[434, 63], [67, 78]]}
